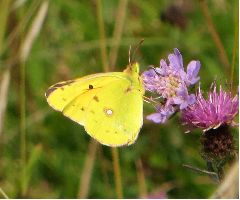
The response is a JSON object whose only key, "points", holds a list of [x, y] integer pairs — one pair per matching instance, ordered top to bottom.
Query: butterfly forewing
{"points": [[63, 93]]}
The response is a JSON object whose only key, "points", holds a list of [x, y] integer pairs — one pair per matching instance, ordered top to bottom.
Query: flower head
{"points": [[170, 82], [218, 109], [217, 144]]}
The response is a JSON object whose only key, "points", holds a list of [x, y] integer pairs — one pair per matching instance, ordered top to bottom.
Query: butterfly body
{"points": [[108, 105]]}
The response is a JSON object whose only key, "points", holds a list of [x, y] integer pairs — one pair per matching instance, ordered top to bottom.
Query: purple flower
{"points": [[192, 72], [151, 80], [170, 83], [183, 99], [218, 109], [162, 114]]}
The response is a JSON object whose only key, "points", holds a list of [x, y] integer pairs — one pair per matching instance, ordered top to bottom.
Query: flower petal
{"points": [[179, 56], [175, 60], [163, 68], [192, 72], [149, 73], [156, 117]]}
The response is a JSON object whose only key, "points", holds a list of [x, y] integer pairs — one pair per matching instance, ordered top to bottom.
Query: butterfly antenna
{"points": [[135, 50], [129, 54], [149, 100]]}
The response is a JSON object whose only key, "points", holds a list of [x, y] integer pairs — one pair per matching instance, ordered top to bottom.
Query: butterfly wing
{"points": [[61, 94], [107, 105]]}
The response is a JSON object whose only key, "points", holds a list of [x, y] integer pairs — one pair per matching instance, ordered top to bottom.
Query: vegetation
{"points": [[46, 155]]}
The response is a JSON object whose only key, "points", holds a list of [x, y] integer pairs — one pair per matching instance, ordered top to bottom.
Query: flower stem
{"points": [[118, 29], [117, 34], [102, 36], [215, 36], [27, 42], [235, 45], [23, 127], [93, 145], [217, 167], [87, 169], [211, 169], [117, 172], [211, 173], [220, 173], [141, 179], [229, 189], [3, 193]]}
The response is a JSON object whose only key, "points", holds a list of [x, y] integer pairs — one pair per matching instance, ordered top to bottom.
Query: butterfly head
{"points": [[132, 68]]}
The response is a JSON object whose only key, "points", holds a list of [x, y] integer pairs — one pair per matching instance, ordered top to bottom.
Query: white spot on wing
{"points": [[108, 111]]}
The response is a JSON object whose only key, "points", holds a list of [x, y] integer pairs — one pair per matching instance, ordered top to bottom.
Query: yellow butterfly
{"points": [[108, 105]]}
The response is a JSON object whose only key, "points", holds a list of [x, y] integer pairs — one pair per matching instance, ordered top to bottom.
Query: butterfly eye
{"points": [[90, 87]]}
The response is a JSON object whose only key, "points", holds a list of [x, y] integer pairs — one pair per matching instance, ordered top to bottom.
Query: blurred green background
{"points": [[43, 154]]}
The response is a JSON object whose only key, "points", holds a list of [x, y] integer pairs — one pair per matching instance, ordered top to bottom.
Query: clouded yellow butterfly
{"points": [[108, 105]]}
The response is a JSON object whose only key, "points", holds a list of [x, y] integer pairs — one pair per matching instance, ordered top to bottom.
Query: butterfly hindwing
{"points": [[114, 114]]}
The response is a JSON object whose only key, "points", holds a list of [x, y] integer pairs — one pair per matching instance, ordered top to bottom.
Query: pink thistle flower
{"points": [[218, 109]]}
